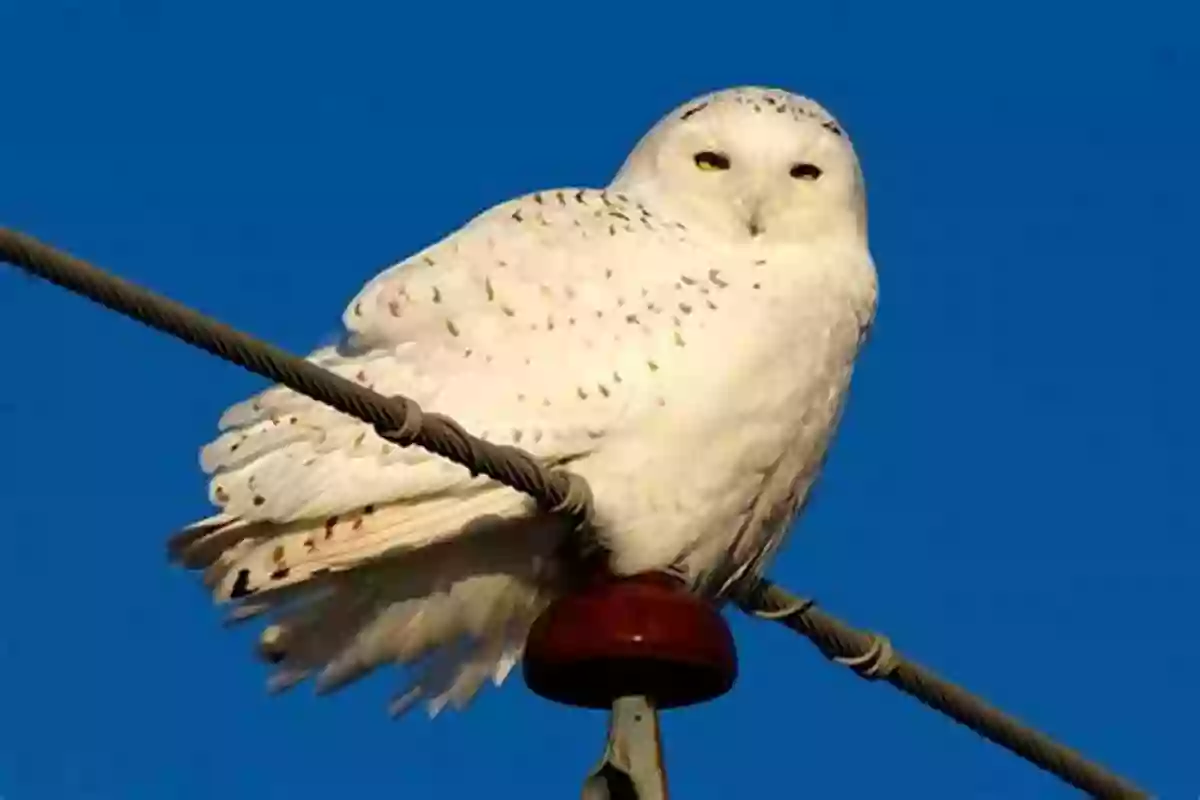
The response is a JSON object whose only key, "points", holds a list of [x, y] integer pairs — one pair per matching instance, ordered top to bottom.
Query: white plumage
{"points": [[683, 339]]}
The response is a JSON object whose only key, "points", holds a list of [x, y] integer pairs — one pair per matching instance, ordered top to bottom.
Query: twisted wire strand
{"points": [[397, 419], [402, 421], [872, 657]]}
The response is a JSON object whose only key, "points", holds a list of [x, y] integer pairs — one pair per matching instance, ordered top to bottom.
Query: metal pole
{"points": [[632, 767]]}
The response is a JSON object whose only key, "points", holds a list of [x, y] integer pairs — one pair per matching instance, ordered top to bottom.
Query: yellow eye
{"points": [[708, 160], [805, 172]]}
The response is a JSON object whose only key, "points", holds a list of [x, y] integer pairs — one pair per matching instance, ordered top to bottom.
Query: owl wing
{"points": [[531, 326]]}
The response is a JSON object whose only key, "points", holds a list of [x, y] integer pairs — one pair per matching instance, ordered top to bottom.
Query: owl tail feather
{"points": [[446, 587]]}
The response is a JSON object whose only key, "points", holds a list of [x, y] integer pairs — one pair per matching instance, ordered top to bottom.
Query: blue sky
{"points": [[1011, 498]]}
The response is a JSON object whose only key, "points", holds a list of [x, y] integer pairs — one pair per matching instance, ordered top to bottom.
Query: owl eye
{"points": [[708, 160], [805, 172]]}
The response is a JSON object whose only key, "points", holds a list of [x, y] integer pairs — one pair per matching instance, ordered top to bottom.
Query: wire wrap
{"points": [[397, 419], [872, 657]]}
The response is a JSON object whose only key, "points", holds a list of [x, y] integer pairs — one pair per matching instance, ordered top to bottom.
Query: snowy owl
{"points": [[683, 339]]}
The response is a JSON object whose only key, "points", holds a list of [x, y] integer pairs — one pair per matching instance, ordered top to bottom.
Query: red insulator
{"points": [[642, 635]]}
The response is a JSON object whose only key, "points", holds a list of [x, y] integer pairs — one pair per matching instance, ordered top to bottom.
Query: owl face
{"points": [[752, 164]]}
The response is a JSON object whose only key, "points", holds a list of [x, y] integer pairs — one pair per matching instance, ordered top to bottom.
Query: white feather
{"points": [[692, 373]]}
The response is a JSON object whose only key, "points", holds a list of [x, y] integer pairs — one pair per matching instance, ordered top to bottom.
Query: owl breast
{"points": [[743, 427]]}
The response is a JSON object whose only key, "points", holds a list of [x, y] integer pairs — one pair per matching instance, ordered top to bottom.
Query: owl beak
{"points": [[754, 221]]}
